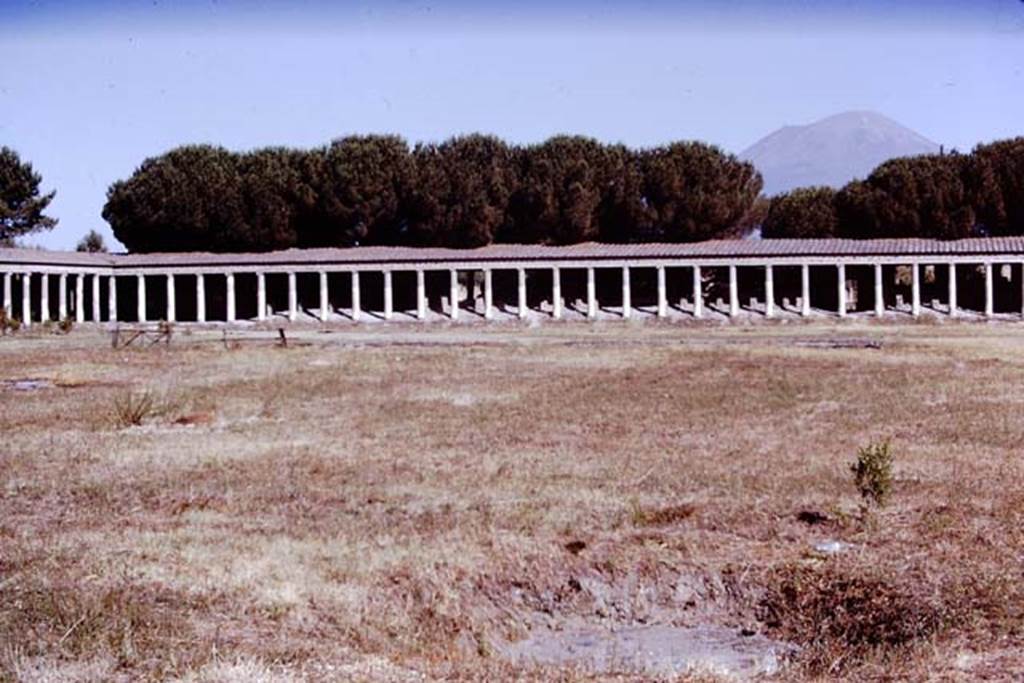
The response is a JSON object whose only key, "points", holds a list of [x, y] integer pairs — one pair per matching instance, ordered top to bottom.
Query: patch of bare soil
{"points": [[656, 650]]}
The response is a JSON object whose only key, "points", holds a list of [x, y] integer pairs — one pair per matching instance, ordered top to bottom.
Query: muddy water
{"points": [[25, 384], [655, 650]]}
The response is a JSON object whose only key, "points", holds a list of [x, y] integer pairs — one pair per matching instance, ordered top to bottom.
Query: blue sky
{"points": [[90, 89]]}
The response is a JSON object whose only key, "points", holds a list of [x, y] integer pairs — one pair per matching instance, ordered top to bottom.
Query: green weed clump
{"points": [[132, 408], [872, 472]]}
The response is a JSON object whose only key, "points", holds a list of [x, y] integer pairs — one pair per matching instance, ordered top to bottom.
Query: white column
{"points": [[521, 273], [841, 278], [229, 282], [805, 286], [1022, 289], [915, 290], [952, 290], [769, 292], [879, 292], [453, 293], [556, 293], [698, 293], [7, 294], [591, 294], [662, 294], [421, 295], [488, 295], [734, 295], [62, 296], [261, 296], [293, 297], [357, 297], [627, 297], [44, 298], [79, 298], [112, 298], [200, 298], [26, 299], [172, 299], [989, 300], [388, 302], [325, 304], [141, 305], [96, 317]]}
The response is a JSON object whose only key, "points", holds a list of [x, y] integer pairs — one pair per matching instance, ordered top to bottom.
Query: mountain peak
{"points": [[833, 150]]}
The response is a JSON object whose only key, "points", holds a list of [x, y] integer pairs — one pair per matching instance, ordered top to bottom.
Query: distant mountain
{"points": [[832, 151]]}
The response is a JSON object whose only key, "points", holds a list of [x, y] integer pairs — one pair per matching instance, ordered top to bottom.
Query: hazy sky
{"points": [[90, 89]]}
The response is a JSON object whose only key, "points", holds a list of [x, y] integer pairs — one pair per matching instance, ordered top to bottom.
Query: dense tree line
{"points": [[465, 192], [944, 196]]}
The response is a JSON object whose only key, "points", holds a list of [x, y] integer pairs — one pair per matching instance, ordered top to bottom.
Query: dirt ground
{"points": [[410, 503]]}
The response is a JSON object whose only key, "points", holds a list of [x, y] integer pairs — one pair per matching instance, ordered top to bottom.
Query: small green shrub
{"points": [[872, 472]]}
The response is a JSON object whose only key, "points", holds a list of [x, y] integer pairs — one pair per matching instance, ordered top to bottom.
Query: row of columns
{"points": [[44, 296], [421, 299]]}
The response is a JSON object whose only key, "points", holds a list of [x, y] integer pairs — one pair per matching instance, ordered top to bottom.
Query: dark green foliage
{"points": [[997, 181], [358, 187], [574, 189], [460, 192], [465, 192], [694, 192], [274, 194], [922, 196], [940, 196], [186, 200], [21, 204], [803, 213], [92, 242], [872, 472]]}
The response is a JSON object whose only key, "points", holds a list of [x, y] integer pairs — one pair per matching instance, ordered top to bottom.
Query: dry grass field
{"points": [[404, 504]]}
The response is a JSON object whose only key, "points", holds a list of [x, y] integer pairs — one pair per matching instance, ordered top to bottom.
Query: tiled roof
{"points": [[744, 249], [54, 258]]}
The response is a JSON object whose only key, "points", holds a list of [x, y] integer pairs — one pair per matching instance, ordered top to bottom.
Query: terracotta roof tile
{"points": [[744, 249]]}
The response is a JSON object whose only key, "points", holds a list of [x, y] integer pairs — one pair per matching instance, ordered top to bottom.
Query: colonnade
{"points": [[36, 306]]}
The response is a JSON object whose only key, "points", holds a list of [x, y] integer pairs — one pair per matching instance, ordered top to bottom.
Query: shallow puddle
{"points": [[25, 384], [656, 650]]}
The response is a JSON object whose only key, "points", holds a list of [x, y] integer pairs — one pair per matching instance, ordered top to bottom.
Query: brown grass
{"points": [[392, 505]]}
